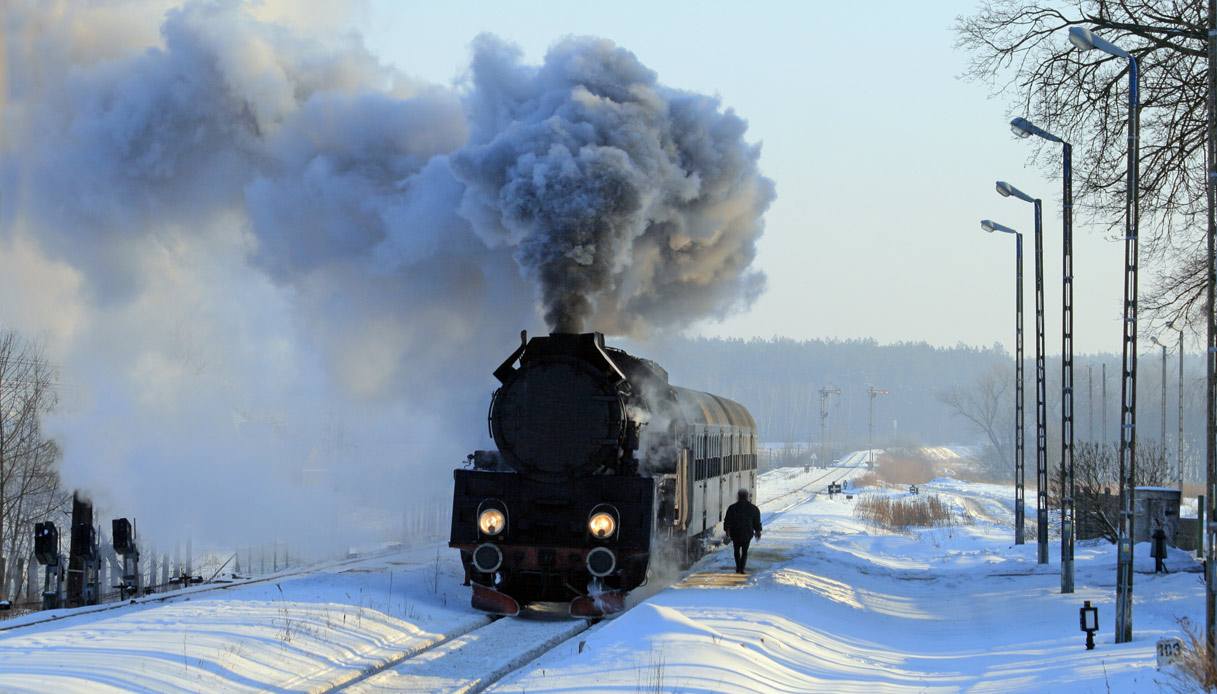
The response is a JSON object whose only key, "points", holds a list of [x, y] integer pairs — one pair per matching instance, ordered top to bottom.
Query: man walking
{"points": [[742, 523], [1157, 550]]}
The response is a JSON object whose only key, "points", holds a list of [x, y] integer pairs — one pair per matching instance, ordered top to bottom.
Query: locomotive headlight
{"points": [[491, 521], [602, 525]]}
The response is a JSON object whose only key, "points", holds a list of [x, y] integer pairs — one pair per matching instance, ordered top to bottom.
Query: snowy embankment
{"points": [[831, 603], [295, 634]]}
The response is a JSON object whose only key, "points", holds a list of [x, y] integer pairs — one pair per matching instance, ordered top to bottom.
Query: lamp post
{"points": [[1087, 40], [1024, 128], [1162, 344], [1210, 353], [1041, 406], [1179, 436], [1019, 452]]}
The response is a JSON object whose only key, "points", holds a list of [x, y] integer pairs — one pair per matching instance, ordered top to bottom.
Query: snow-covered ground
{"points": [[830, 603]]}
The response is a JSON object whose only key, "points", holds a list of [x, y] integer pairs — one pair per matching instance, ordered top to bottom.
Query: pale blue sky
{"points": [[884, 160]]}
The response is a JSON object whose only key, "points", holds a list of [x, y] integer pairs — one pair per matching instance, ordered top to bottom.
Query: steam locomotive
{"points": [[601, 468]]}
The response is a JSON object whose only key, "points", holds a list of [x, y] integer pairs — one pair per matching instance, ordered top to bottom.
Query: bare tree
{"points": [[1021, 50], [988, 407], [1096, 478], [29, 481]]}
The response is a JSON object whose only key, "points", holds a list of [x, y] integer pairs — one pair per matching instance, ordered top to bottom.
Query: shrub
{"points": [[902, 513], [1196, 669]]}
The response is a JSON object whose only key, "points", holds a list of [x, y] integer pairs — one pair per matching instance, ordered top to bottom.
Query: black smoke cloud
{"points": [[630, 204], [282, 270]]}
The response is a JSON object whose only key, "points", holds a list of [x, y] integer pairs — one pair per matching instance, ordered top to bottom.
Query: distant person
{"points": [[742, 523], [1158, 549]]}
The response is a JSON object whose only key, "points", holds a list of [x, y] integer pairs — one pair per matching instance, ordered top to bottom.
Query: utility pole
{"points": [[1087, 40], [1024, 128], [1161, 344], [1128, 383], [824, 393], [1041, 397], [1090, 400], [1104, 405], [870, 424], [1019, 437], [1179, 438], [1210, 440], [1067, 491]]}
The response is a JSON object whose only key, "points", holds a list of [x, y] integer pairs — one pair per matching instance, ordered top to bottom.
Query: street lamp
{"points": [[1087, 40], [1024, 128], [1162, 344], [1041, 406], [1179, 437], [1019, 453]]}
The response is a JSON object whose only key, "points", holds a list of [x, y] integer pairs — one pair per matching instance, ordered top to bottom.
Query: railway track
{"points": [[818, 480], [180, 593], [463, 660], [470, 662]]}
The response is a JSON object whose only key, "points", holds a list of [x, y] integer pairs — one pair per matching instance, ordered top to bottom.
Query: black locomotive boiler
{"points": [[602, 467]]}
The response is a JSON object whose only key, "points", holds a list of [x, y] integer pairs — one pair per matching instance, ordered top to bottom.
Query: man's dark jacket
{"points": [[742, 520]]}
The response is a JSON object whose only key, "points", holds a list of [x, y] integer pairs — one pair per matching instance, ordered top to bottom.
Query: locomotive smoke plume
{"points": [[630, 204], [276, 273]]}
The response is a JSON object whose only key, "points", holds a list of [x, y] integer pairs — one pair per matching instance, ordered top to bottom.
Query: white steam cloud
{"points": [[277, 273]]}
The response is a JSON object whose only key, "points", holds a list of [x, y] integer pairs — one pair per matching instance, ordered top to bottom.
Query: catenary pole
{"points": [[1087, 40], [1210, 440]]}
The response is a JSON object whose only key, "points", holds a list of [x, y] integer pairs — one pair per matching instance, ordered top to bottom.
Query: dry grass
{"points": [[870, 479], [1191, 490], [902, 513], [1196, 669]]}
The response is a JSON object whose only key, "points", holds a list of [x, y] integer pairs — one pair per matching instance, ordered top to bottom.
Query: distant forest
{"points": [[779, 381]]}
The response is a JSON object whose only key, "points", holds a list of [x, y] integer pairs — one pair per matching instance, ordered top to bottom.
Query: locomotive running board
{"points": [[488, 599], [599, 605]]}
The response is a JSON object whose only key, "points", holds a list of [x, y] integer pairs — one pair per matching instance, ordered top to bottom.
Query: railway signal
{"points": [[824, 393], [870, 426]]}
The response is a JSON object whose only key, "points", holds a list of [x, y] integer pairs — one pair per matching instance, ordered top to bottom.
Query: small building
{"points": [[1156, 506]]}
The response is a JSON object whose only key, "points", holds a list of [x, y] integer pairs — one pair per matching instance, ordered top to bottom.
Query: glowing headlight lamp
{"points": [[491, 521], [602, 525]]}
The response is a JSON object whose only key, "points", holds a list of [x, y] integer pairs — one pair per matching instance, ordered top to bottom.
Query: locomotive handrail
{"points": [[506, 369], [490, 414]]}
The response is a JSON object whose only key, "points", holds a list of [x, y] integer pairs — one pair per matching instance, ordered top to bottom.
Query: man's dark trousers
{"points": [[741, 553]]}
